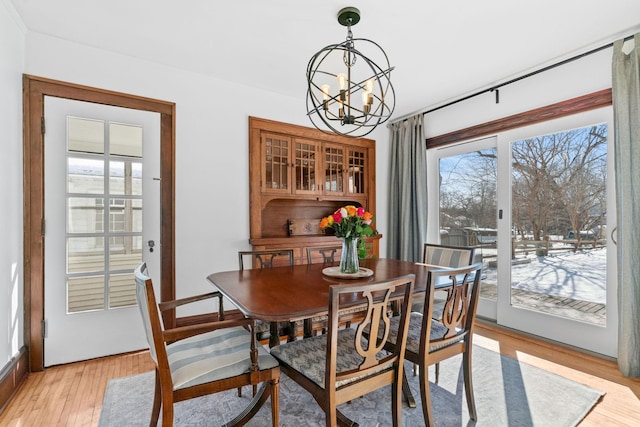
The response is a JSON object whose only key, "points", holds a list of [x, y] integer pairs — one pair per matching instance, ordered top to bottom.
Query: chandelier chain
{"points": [[349, 59]]}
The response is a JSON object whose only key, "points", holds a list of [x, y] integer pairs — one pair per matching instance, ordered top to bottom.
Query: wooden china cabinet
{"points": [[298, 175]]}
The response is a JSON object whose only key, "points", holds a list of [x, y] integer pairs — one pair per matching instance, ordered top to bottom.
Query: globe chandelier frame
{"points": [[365, 98]]}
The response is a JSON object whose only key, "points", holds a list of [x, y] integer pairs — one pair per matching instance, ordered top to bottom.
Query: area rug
{"points": [[507, 393]]}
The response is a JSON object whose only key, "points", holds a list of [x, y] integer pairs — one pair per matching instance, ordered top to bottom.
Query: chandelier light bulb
{"points": [[342, 81], [369, 86], [326, 92], [365, 97]]}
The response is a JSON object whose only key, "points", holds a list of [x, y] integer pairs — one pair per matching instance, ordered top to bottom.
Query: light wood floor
{"points": [[71, 395]]}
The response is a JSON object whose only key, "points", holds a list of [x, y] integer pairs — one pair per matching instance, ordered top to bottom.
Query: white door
{"points": [[464, 177], [548, 190], [557, 194], [102, 218]]}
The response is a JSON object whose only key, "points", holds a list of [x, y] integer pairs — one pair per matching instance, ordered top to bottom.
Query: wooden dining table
{"points": [[300, 292]]}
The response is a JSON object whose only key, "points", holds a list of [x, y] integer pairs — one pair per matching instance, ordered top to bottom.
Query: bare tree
{"points": [[559, 176]]}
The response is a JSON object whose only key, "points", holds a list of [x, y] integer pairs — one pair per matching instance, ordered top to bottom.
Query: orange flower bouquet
{"points": [[351, 224]]}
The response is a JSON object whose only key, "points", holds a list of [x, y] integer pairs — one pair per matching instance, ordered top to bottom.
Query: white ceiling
{"points": [[440, 50]]}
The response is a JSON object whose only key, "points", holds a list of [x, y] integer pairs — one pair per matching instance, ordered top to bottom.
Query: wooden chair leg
{"points": [[468, 384], [265, 390], [406, 391], [157, 401], [275, 402], [396, 402], [427, 410], [343, 421]]}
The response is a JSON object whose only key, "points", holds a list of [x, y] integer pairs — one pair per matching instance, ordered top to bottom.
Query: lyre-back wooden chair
{"points": [[324, 254], [443, 256], [267, 259], [430, 341], [207, 358], [342, 365]]}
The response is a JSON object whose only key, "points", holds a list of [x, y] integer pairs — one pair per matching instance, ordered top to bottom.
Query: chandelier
{"points": [[347, 91]]}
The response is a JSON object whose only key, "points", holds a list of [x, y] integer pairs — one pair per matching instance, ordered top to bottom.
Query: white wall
{"points": [[12, 54], [586, 75], [212, 164]]}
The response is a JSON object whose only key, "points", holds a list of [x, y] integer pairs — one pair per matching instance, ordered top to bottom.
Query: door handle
{"points": [[613, 239], [151, 244]]}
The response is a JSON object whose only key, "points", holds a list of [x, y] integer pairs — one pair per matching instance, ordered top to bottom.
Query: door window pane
{"points": [[85, 135], [125, 140], [85, 176], [125, 177], [468, 209], [85, 215], [559, 223], [125, 252], [85, 254], [122, 290], [85, 293]]}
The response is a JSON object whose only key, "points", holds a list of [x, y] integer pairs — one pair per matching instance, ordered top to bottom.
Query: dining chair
{"points": [[323, 254], [444, 256], [268, 259], [430, 341], [196, 360], [341, 365]]}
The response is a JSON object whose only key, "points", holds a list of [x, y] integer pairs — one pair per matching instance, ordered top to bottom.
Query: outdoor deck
{"points": [[565, 307]]}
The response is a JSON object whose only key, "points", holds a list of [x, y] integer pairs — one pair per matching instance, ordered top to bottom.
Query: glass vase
{"points": [[349, 258]]}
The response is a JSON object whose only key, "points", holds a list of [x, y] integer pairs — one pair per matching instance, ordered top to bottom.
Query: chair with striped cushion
{"points": [[197, 360]]}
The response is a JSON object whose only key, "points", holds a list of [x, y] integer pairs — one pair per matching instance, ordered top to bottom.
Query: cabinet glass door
{"points": [[334, 161], [356, 162], [275, 163], [306, 163]]}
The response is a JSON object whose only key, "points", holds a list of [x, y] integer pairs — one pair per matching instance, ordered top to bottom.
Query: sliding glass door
{"points": [[538, 203]]}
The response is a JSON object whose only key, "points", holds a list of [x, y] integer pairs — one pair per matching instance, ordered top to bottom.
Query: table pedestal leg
{"points": [[274, 334]]}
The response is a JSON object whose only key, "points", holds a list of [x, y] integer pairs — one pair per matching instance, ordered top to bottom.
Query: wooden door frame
{"points": [[34, 90]]}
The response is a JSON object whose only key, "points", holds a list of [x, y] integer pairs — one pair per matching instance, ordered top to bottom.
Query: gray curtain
{"points": [[626, 110], [407, 228]]}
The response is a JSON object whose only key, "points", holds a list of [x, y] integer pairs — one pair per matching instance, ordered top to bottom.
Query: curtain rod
{"points": [[516, 79]]}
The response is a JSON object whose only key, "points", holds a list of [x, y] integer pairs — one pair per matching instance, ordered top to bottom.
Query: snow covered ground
{"points": [[580, 275]]}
